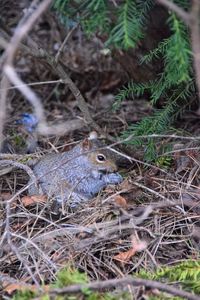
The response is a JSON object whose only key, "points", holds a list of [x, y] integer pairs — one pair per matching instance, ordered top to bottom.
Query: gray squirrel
{"points": [[77, 175]]}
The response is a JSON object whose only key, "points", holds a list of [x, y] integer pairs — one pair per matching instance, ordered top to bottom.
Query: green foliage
{"points": [[65, 12], [91, 14], [99, 15], [95, 16], [125, 25], [127, 31], [177, 56], [177, 72], [175, 83], [132, 89], [158, 123], [18, 140], [164, 161], [186, 274], [69, 276], [24, 295]]}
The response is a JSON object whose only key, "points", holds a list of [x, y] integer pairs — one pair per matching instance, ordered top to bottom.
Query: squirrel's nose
{"points": [[112, 167]]}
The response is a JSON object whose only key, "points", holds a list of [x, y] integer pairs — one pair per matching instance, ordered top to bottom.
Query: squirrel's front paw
{"points": [[113, 178]]}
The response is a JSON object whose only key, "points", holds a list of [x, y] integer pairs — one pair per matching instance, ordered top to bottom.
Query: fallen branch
{"points": [[113, 283]]}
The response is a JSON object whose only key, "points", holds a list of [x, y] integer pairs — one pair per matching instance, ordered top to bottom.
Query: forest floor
{"points": [[150, 220]]}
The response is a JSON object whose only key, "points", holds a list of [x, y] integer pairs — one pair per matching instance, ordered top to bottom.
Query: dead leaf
{"points": [[126, 185], [28, 200], [120, 201], [137, 246], [125, 256], [21, 286], [10, 288]]}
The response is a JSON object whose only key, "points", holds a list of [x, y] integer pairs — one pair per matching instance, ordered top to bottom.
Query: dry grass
{"points": [[39, 241]]}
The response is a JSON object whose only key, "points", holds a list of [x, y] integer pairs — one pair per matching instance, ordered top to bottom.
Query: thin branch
{"points": [[178, 10], [22, 29], [64, 43], [58, 68], [33, 84], [26, 92], [43, 128], [113, 283]]}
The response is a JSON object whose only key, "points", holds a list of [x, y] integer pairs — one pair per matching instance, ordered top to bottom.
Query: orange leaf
{"points": [[28, 200], [121, 201], [137, 246], [125, 256], [20, 286], [10, 288]]}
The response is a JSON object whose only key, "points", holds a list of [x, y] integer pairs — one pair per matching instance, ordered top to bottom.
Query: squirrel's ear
{"points": [[86, 144]]}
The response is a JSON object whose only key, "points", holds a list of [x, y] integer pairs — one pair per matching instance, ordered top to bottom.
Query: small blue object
{"points": [[29, 121]]}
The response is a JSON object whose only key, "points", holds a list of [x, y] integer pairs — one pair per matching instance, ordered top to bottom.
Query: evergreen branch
{"points": [[94, 16], [127, 32], [155, 53], [178, 53], [131, 90], [159, 122]]}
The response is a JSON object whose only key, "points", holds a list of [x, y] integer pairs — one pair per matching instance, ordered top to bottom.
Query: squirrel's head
{"points": [[98, 155]]}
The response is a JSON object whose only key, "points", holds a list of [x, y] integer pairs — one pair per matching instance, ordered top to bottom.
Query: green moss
{"points": [[186, 273], [24, 295]]}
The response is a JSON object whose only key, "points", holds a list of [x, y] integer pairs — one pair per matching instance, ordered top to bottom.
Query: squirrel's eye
{"points": [[101, 157]]}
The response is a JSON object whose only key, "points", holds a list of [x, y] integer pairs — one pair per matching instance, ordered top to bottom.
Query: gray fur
{"points": [[70, 176]]}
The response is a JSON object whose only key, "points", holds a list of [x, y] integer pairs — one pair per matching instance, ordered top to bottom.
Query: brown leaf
{"points": [[126, 185], [28, 200], [120, 201], [137, 246], [125, 256], [20, 286], [10, 288]]}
